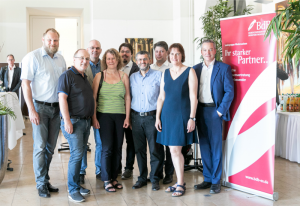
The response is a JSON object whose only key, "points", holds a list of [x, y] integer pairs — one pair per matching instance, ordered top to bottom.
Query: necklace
{"points": [[177, 70]]}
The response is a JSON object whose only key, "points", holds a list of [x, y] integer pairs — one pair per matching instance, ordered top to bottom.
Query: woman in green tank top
{"points": [[112, 111]]}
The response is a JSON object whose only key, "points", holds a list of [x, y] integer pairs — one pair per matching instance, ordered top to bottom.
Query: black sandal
{"points": [[116, 186], [107, 189], [172, 189], [179, 191]]}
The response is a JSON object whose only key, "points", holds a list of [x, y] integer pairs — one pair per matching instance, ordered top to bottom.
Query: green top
{"points": [[111, 98]]}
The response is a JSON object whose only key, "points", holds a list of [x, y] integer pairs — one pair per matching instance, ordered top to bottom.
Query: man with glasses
{"points": [[93, 68], [129, 68], [41, 69], [144, 89], [76, 104]]}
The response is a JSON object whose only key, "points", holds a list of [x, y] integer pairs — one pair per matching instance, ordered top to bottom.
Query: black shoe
{"points": [[127, 174], [98, 176], [81, 179], [148, 179], [168, 179], [138, 185], [203, 185], [155, 186], [51, 188], [215, 188], [43, 191]]}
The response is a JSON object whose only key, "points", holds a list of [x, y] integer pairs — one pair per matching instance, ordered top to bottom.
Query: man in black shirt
{"points": [[76, 104]]}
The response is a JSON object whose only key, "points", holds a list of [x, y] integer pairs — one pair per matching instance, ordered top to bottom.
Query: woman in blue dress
{"points": [[176, 110]]}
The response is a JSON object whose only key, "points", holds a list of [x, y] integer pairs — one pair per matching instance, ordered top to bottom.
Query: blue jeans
{"points": [[44, 137], [77, 143], [97, 154]]}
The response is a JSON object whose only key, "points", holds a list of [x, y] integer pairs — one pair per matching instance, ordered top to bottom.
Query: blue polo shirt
{"points": [[95, 68], [145, 90], [80, 94]]}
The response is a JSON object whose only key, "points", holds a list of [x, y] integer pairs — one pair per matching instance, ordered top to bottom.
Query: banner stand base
{"points": [[273, 196]]}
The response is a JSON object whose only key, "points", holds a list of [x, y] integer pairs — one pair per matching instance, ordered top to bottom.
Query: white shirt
{"points": [[127, 67], [163, 67], [10, 75], [204, 91]]}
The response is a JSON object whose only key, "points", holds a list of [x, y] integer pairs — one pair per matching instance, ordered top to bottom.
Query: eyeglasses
{"points": [[92, 48], [127, 52], [82, 58]]}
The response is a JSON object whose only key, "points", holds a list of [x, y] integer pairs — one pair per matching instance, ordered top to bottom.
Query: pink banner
{"points": [[249, 138]]}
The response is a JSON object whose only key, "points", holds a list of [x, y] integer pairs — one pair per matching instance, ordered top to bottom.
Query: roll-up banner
{"points": [[249, 138]]}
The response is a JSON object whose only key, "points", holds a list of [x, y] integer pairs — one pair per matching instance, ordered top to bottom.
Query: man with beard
{"points": [[162, 63], [93, 68], [129, 68], [41, 69], [144, 89], [76, 103]]}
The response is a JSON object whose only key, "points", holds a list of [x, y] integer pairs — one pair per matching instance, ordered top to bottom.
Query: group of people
{"points": [[160, 104]]}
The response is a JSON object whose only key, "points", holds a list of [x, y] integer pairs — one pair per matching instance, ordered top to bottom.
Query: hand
{"points": [[219, 114], [34, 117], [126, 123], [96, 124], [158, 125], [190, 126], [69, 127]]}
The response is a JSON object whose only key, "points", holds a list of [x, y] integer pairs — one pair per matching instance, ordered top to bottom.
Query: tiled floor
{"points": [[18, 187]]}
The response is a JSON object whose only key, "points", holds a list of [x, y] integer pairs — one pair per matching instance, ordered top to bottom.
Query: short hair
{"points": [[52, 30], [209, 41], [161, 44], [129, 46], [180, 48], [77, 52], [142, 53], [116, 54], [10, 55]]}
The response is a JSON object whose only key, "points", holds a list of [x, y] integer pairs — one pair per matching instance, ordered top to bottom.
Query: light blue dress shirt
{"points": [[95, 68], [43, 72], [145, 90]]}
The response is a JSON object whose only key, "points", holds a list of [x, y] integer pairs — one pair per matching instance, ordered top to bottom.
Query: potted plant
{"points": [[5, 112]]}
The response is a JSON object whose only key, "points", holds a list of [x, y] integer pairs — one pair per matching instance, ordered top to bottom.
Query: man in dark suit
{"points": [[129, 68], [10, 76], [216, 92]]}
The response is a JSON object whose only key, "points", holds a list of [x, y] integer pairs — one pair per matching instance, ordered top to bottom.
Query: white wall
{"points": [[14, 23]]}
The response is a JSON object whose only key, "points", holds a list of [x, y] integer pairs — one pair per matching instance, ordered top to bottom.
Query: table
{"points": [[15, 127], [287, 137]]}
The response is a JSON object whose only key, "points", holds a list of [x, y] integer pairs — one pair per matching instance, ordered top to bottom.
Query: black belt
{"points": [[55, 104], [207, 104], [151, 113], [75, 117]]}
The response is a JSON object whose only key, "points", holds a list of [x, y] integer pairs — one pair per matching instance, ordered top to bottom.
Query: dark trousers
{"points": [[143, 129], [111, 134], [210, 137], [130, 152], [169, 167]]}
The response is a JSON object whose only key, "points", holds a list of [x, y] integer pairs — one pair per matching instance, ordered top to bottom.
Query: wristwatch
{"points": [[194, 119]]}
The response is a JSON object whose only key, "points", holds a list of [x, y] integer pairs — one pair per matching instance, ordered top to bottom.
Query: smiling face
{"points": [[51, 42], [94, 49], [208, 52], [126, 54], [160, 54], [175, 56], [81, 60], [111, 61], [143, 61]]}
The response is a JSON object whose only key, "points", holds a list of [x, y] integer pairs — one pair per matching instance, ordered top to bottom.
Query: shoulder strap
{"points": [[100, 85]]}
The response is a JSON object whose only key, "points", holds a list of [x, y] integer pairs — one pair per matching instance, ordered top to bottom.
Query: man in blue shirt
{"points": [[93, 68], [41, 69], [144, 89], [76, 103]]}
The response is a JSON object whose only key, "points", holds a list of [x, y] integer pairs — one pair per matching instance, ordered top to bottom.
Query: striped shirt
{"points": [[112, 98]]}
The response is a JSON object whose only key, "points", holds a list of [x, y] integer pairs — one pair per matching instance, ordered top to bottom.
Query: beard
{"points": [[50, 50], [144, 68]]}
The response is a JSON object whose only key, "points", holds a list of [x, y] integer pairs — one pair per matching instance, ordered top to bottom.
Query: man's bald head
{"points": [[94, 50]]}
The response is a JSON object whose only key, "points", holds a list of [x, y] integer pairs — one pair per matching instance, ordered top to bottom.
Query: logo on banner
{"points": [[258, 28]]}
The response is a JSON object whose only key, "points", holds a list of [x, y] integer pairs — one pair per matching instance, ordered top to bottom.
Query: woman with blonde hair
{"points": [[112, 111]]}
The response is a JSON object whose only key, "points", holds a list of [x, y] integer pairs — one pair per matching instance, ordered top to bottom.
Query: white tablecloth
{"points": [[15, 127], [287, 139]]}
